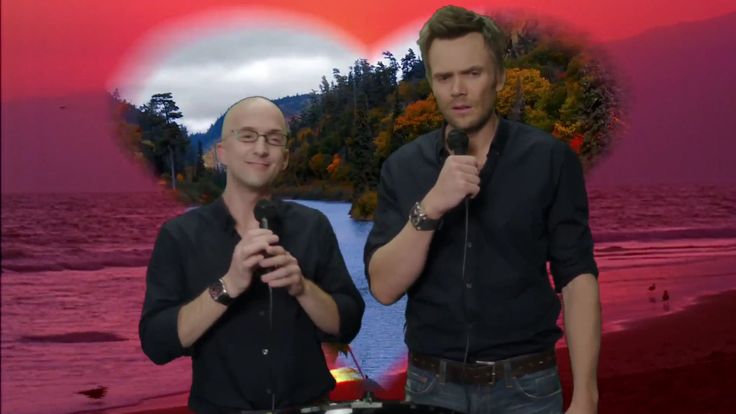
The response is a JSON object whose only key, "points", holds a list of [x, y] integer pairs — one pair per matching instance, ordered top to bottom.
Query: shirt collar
{"points": [[219, 212]]}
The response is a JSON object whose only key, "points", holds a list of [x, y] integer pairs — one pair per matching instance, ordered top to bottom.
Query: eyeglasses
{"points": [[247, 135]]}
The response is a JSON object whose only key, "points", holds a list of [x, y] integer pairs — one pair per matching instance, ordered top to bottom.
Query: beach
{"points": [[58, 341], [675, 363]]}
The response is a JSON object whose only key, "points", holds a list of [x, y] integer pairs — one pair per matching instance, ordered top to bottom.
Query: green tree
{"points": [[165, 139]]}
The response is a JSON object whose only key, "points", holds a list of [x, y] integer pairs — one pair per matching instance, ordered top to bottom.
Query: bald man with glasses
{"points": [[250, 305]]}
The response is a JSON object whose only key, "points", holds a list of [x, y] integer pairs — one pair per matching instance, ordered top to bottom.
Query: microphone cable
{"points": [[457, 142]]}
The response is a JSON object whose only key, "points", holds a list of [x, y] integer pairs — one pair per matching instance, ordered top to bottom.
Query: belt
{"points": [[484, 372]]}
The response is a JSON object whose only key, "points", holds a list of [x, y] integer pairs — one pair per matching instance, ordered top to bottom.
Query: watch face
{"points": [[415, 216], [419, 219], [217, 291]]}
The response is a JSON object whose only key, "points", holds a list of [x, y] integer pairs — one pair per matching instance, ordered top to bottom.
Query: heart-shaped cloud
{"points": [[209, 61]]}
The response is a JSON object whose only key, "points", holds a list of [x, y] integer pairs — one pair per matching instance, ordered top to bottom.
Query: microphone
{"points": [[457, 142], [266, 214]]}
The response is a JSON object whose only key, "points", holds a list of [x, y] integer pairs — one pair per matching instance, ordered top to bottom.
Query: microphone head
{"points": [[457, 142], [265, 209]]}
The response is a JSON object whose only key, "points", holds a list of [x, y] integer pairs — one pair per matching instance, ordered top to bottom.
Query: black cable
{"points": [[465, 258]]}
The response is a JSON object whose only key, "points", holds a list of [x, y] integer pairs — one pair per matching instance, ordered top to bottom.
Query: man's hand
{"points": [[459, 178], [247, 255], [284, 271], [582, 313], [587, 404]]}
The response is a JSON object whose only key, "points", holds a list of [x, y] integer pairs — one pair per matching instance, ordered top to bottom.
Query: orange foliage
{"points": [[418, 118], [336, 161], [317, 164]]}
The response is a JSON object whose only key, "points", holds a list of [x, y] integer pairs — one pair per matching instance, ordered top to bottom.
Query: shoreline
{"points": [[679, 362], [674, 363]]}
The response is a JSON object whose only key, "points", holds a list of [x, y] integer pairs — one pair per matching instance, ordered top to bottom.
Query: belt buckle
{"points": [[491, 364]]}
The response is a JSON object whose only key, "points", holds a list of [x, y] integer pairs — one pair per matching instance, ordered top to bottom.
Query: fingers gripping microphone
{"points": [[457, 142], [265, 213]]}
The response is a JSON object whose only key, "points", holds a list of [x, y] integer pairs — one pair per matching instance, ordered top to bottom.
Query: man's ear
{"points": [[220, 152]]}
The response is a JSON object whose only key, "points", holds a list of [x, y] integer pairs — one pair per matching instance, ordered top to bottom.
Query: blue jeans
{"points": [[537, 393]]}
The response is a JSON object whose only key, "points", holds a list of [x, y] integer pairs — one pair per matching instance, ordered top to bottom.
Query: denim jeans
{"points": [[535, 393]]}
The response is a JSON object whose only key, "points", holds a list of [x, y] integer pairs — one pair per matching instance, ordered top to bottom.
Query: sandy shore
{"points": [[676, 363]]}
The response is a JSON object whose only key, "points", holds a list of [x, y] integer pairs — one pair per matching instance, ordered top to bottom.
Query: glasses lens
{"points": [[247, 136], [276, 138]]}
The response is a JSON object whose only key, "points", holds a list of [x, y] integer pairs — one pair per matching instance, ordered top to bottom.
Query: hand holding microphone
{"points": [[458, 179], [251, 250], [247, 256], [281, 269]]}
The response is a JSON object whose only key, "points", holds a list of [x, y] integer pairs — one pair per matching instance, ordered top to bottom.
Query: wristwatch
{"points": [[420, 221], [218, 292]]}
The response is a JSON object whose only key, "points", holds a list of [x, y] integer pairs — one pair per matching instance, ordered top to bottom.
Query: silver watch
{"points": [[419, 219]]}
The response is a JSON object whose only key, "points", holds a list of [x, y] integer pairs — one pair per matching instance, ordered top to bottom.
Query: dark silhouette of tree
{"points": [[166, 140]]}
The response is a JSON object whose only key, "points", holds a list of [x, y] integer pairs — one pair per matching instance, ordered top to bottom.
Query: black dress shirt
{"points": [[532, 209], [240, 362]]}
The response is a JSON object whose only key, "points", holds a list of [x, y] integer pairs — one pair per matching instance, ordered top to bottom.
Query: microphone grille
{"points": [[457, 142], [265, 209]]}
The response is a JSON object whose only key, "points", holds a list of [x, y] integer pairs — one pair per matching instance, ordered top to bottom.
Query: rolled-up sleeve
{"points": [[388, 218], [571, 242], [333, 277], [164, 297]]}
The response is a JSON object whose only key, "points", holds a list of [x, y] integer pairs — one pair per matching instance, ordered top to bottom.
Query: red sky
{"points": [[58, 49]]}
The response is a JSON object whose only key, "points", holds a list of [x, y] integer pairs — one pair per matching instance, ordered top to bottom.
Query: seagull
{"points": [[652, 287], [665, 296]]}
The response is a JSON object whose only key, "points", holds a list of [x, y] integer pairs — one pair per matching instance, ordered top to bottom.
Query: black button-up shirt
{"points": [[532, 209], [240, 362]]}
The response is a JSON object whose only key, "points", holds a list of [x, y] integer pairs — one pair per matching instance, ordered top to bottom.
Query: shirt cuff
{"points": [[564, 275], [350, 317], [160, 336]]}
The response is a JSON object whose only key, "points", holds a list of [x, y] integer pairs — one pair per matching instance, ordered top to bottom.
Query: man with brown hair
{"points": [[466, 230]]}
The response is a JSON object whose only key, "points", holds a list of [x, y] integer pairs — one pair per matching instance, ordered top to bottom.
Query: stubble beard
{"points": [[475, 126]]}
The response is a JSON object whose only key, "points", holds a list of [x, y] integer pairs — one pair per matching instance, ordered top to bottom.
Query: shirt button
{"points": [[470, 245], [469, 285], [261, 313], [264, 351], [268, 391]]}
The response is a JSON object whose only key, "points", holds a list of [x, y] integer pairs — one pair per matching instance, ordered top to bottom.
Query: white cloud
{"points": [[207, 70], [207, 75]]}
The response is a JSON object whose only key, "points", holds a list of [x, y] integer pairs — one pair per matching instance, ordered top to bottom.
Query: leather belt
{"points": [[484, 372]]}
